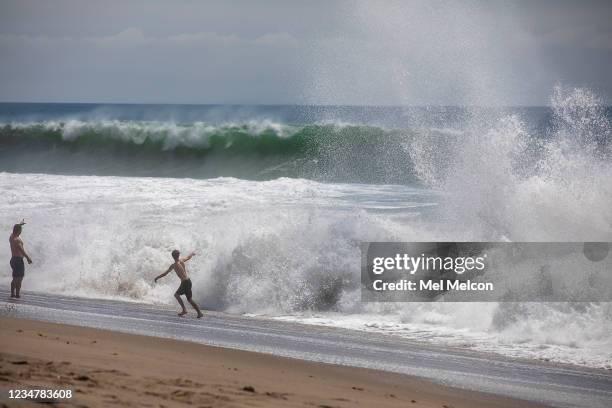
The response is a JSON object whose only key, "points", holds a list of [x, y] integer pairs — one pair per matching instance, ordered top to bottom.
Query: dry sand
{"points": [[107, 369]]}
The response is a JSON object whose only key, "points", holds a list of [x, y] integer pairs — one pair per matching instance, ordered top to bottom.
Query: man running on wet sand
{"points": [[17, 254], [185, 288]]}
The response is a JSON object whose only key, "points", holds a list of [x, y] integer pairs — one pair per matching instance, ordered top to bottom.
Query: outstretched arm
{"points": [[191, 255], [164, 274]]}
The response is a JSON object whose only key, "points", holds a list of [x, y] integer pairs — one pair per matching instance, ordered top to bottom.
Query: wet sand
{"points": [[105, 368]]}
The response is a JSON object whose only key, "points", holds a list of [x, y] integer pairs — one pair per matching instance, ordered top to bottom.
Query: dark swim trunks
{"points": [[18, 267], [185, 288]]}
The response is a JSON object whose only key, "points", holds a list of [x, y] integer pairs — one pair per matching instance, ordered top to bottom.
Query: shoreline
{"points": [[169, 309], [107, 367], [482, 372]]}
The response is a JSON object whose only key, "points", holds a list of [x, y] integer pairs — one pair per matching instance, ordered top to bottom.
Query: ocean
{"points": [[277, 199]]}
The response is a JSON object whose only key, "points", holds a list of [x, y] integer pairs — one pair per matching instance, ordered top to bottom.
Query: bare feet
{"points": [[183, 313], [200, 315]]}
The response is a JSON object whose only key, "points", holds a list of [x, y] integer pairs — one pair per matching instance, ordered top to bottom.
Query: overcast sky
{"points": [[303, 52]]}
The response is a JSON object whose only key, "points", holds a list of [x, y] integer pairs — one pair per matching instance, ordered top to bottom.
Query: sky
{"points": [[419, 52]]}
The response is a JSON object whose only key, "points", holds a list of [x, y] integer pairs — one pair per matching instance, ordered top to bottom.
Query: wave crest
{"points": [[257, 150]]}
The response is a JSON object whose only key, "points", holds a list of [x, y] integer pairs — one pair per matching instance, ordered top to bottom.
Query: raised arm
{"points": [[191, 255], [165, 273]]}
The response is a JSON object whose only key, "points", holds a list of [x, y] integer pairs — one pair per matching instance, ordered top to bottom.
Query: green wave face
{"points": [[257, 151]]}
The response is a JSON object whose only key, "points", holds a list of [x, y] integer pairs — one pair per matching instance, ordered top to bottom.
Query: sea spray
{"points": [[505, 183], [290, 246]]}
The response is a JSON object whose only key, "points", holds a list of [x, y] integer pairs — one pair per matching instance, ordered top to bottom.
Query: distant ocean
{"points": [[276, 200]]}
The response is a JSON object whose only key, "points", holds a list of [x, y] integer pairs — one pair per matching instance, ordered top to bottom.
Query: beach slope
{"points": [[106, 368]]}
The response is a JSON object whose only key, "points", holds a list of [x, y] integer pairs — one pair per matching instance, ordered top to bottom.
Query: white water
{"points": [[285, 248], [289, 248]]}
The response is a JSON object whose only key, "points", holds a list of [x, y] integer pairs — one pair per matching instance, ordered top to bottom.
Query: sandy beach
{"points": [[105, 368]]}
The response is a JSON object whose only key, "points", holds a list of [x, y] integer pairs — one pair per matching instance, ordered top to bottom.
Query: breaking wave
{"points": [[256, 150], [289, 247]]}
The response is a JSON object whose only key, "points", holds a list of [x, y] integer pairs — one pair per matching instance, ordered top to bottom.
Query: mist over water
{"points": [[504, 181]]}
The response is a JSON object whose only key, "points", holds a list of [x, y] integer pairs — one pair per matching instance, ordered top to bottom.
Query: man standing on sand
{"points": [[17, 254], [185, 288]]}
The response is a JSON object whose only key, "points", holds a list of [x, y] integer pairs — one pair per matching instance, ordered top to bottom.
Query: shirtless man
{"points": [[17, 254], [185, 289]]}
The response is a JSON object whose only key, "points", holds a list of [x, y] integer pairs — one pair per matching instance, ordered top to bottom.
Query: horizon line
{"points": [[277, 104]]}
